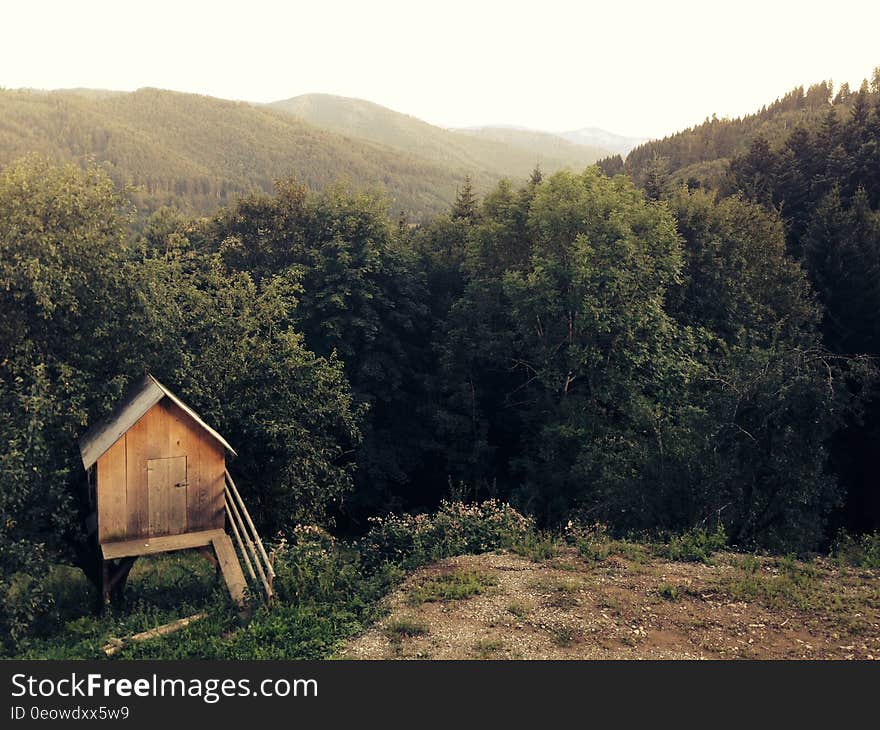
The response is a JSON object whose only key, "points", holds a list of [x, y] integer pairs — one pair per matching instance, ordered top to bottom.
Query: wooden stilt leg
{"points": [[209, 556], [105, 583], [116, 585]]}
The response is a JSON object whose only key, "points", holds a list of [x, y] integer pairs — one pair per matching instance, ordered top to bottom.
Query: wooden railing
{"points": [[253, 554]]}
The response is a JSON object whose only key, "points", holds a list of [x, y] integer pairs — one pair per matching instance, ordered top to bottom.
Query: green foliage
{"points": [[356, 294], [84, 312], [455, 529], [595, 543], [696, 545], [538, 546], [858, 551], [405, 628]]}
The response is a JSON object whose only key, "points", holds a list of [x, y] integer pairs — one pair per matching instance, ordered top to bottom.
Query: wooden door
{"points": [[166, 495]]}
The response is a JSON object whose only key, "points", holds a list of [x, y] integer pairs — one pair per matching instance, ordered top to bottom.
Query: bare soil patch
{"points": [[503, 606]]}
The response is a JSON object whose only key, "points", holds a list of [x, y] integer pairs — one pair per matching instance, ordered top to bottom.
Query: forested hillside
{"points": [[490, 151], [703, 152], [197, 153], [813, 160], [627, 356]]}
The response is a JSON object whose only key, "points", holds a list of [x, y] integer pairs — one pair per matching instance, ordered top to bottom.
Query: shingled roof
{"points": [[102, 435]]}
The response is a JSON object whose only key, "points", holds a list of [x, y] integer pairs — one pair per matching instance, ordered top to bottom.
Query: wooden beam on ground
{"points": [[206, 553], [114, 645]]}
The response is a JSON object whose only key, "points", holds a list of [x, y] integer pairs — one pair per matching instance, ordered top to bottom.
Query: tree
{"points": [[466, 202], [359, 298], [84, 312]]}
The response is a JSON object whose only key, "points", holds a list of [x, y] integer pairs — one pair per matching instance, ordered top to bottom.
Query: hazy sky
{"points": [[639, 68]]}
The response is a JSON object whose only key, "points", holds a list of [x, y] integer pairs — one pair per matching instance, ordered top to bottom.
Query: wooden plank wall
{"points": [[164, 431], [111, 493]]}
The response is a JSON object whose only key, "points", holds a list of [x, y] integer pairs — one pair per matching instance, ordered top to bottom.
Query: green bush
{"points": [[455, 529], [696, 545], [537, 546], [862, 551], [25, 603]]}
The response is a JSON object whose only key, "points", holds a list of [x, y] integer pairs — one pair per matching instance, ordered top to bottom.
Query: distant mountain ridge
{"points": [[595, 137], [486, 151], [199, 152]]}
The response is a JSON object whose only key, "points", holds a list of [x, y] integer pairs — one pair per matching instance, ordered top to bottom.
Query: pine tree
{"points": [[466, 202]]}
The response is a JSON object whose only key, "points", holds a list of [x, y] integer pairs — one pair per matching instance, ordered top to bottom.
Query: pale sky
{"points": [[636, 68]]}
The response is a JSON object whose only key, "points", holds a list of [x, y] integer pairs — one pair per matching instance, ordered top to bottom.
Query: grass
{"points": [[696, 545], [537, 546], [598, 548], [857, 552], [453, 586], [810, 587], [327, 593], [321, 602], [518, 609], [405, 628], [563, 636], [487, 648]]}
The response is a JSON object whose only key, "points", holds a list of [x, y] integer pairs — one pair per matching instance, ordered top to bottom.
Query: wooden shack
{"points": [[158, 480]]}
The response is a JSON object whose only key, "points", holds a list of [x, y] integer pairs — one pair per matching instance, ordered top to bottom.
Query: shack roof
{"points": [[141, 398]]}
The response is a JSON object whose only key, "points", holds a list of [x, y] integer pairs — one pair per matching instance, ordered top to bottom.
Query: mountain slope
{"points": [[595, 137], [202, 151], [551, 151], [703, 152], [492, 154]]}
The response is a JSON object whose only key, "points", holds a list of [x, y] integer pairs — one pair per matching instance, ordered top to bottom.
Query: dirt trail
{"points": [[648, 608]]}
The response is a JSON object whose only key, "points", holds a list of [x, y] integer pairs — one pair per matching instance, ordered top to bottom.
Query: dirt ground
{"points": [[567, 607]]}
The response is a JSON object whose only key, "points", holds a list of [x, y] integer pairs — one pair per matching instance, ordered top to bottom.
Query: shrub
{"points": [[455, 529], [592, 541], [696, 545], [537, 546], [857, 551], [313, 567], [24, 601]]}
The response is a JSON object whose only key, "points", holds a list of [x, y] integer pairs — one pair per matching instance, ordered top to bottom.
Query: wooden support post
{"points": [[209, 556], [121, 575], [105, 583]]}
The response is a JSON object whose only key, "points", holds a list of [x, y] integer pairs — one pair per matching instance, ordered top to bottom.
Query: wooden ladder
{"points": [[251, 553]]}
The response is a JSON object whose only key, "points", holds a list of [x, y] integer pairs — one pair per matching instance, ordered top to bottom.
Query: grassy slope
{"points": [[600, 598]]}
